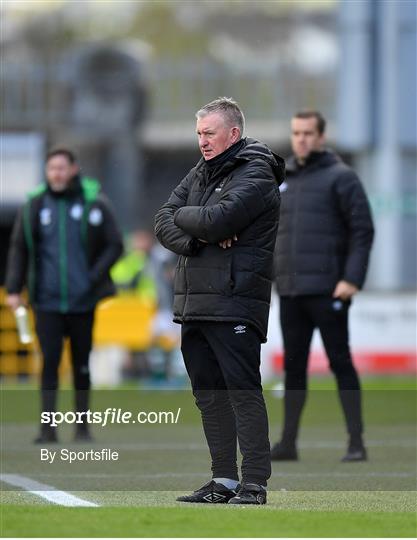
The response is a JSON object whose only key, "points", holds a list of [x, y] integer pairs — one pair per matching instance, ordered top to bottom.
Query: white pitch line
{"points": [[168, 474], [45, 491]]}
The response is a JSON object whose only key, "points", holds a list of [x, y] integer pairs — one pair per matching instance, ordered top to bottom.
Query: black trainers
{"points": [[47, 434], [82, 434], [280, 452], [355, 454], [212, 492], [250, 494]]}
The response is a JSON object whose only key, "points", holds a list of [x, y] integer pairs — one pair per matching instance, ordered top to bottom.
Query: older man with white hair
{"points": [[222, 220]]}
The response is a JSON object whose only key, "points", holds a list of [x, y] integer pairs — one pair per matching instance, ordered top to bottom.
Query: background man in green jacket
{"points": [[64, 241]]}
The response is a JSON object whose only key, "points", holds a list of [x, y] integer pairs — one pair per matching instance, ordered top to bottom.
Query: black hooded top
{"points": [[235, 193], [326, 231]]}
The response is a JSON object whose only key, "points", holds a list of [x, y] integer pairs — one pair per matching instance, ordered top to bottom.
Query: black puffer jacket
{"points": [[239, 197], [325, 232]]}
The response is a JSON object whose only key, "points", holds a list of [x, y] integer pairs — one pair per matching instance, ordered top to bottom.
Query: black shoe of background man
{"points": [[82, 433], [47, 436], [282, 452], [355, 453], [212, 493], [250, 494]]}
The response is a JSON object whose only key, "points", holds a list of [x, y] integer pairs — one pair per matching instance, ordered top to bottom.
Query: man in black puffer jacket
{"points": [[222, 220], [64, 242], [323, 245]]}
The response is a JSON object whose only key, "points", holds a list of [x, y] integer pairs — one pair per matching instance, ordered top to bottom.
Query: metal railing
{"points": [[41, 97]]}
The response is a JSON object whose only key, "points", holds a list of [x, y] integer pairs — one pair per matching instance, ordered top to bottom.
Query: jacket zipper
{"points": [[84, 224], [294, 234], [63, 259], [186, 282]]}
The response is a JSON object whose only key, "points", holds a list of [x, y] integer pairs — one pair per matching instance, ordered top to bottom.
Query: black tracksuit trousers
{"points": [[300, 315], [51, 329], [223, 361]]}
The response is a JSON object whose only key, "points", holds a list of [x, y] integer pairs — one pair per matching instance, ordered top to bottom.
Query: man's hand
{"points": [[228, 242], [224, 243], [344, 290], [14, 301]]}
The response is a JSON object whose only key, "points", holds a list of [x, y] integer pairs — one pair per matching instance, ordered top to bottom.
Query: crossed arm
{"points": [[183, 228]]}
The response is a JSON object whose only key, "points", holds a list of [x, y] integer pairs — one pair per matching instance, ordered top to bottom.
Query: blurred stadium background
{"points": [[120, 82]]}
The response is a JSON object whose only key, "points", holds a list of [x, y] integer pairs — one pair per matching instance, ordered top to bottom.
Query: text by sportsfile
{"points": [[105, 454]]}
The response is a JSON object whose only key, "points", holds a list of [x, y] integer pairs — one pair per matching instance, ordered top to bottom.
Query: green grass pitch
{"points": [[315, 497]]}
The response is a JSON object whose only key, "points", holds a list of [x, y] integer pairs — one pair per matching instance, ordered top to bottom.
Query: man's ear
{"points": [[235, 134], [75, 168]]}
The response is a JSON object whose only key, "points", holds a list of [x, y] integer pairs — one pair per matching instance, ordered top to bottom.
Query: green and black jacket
{"points": [[100, 238]]}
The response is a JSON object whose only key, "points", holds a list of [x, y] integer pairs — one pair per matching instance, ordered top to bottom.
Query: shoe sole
{"points": [[258, 500], [202, 502], [246, 503]]}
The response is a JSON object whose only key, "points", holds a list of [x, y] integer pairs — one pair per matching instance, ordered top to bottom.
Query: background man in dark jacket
{"points": [[222, 221], [64, 241], [322, 251]]}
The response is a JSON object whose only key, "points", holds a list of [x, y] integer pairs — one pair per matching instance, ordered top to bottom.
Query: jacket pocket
{"points": [[207, 279], [180, 283]]}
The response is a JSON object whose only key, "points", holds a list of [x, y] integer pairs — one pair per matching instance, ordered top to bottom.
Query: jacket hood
{"points": [[253, 149], [256, 149], [322, 159]]}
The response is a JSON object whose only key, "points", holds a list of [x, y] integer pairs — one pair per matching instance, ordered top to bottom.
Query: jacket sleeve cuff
{"points": [[195, 246], [353, 281]]}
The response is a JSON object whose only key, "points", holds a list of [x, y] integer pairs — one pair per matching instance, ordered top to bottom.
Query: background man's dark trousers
{"points": [[300, 315], [51, 329], [222, 360]]}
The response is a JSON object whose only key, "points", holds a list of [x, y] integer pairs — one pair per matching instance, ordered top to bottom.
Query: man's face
{"points": [[214, 136], [305, 137], [59, 172], [142, 241]]}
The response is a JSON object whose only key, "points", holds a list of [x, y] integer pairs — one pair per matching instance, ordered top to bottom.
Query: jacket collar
{"points": [[246, 149], [225, 156], [321, 159], [73, 189]]}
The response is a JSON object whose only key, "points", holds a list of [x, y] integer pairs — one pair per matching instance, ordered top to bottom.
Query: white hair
{"points": [[228, 108]]}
